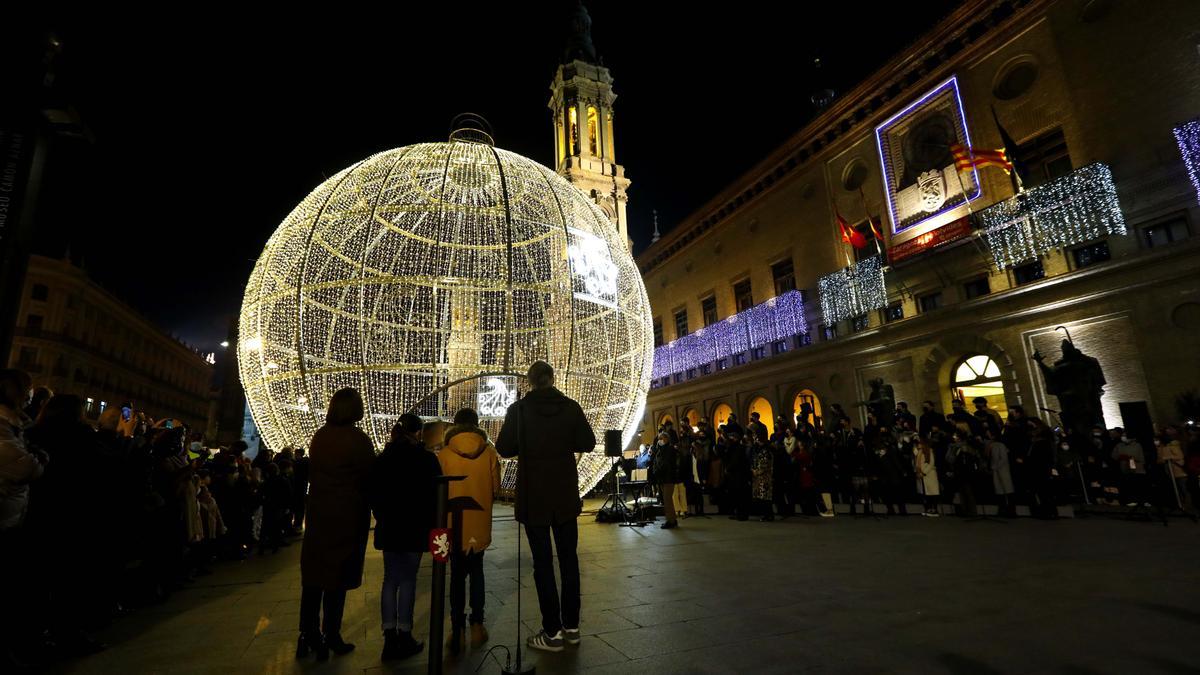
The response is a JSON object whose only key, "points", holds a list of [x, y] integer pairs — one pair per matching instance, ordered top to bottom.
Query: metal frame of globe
{"points": [[420, 272]]}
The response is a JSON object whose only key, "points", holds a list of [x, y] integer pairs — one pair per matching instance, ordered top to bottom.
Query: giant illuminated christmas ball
{"points": [[428, 278]]}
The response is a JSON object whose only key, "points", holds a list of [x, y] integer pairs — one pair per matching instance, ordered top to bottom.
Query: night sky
{"points": [[208, 127]]}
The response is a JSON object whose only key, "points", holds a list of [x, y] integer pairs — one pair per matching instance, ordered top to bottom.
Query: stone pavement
{"points": [[898, 595]]}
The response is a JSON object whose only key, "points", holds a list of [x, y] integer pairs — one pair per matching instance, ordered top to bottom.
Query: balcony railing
{"points": [[770, 326]]}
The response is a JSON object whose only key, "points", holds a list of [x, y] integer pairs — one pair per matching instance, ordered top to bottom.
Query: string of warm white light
{"points": [[1187, 135], [1072, 209], [429, 277], [853, 291], [776, 319]]}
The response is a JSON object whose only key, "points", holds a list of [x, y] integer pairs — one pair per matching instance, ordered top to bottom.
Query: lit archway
{"points": [[976, 376], [809, 397], [766, 413], [721, 414], [692, 417], [663, 419]]}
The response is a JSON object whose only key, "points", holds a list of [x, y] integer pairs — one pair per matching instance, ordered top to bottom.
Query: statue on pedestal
{"points": [[1077, 381]]}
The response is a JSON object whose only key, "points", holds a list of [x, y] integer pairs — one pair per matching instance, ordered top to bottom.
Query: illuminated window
{"points": [[593, 129], [572, 130], [978, 376], [721, 414], [766, 414]]}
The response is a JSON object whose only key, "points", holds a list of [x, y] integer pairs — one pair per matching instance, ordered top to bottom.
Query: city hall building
{"points": [[942, 279]]}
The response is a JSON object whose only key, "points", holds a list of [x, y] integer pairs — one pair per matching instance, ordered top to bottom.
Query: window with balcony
{"points": [[1045, 157], [1168, 232], [1091, 254], [1029, 272], [784, 276], [976, 288], [742, 296], [929, 302], [708, 308], [893, 312], [681, 323], [860, 323], [828, 332]]}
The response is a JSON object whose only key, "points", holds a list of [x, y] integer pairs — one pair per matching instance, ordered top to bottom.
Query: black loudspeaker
{"points": [[1135, 418], [612, 443]]}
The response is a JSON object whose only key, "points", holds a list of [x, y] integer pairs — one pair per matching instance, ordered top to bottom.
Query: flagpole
{"points": [[867, 211]]}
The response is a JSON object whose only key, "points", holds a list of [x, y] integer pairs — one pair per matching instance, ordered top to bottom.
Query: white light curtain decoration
{"points": [[1187, 135], [1072, 209], [429, 277], [853, 291], [776, 319]]}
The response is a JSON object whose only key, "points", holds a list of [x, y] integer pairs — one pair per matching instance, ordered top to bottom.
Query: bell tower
{"points": [[581, 102]]}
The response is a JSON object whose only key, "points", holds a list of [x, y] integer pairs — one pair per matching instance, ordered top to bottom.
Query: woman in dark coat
{"points": [[404, 499], [339, 521]]}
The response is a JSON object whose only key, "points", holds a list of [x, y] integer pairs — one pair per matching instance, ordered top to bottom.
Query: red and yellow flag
{"points": [[966, 158]]}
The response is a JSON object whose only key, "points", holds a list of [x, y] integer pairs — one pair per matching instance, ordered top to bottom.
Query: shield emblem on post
{"points": [[439, 544]]}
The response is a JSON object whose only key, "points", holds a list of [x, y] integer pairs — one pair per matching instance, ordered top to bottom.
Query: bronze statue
{"points": [[1077, 381], [881, 403]]}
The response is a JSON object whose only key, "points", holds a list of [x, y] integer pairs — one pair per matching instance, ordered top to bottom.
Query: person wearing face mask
{"points": [[1131, 462]]}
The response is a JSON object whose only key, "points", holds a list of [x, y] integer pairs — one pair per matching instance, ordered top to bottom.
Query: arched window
{"points": [[593, 129], [572, 130], [977, 376], [814, 403], [766, 414], [721, 415], [692, 417], [664, 419]]}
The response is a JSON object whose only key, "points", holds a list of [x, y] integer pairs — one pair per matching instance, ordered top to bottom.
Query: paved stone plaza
{"points": [[899, 595]]}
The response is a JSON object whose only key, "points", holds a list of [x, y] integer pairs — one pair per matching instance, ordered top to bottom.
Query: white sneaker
{"points": [[826, 514], [934, 514], [571, 636], [546, 643]]}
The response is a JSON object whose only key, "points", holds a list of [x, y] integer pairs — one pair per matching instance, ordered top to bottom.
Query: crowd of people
{"points": [[946, 463], [162, 509]]}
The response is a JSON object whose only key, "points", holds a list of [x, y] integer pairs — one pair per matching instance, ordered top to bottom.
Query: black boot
{"points": [[312, 642], [390, 643], [454, 644], [337, 645], [406, 646]]}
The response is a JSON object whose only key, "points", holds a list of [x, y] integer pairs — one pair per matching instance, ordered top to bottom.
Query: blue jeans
{"points": [[399, 589]]}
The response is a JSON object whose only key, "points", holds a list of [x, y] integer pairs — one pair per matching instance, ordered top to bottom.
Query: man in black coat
{"points": [[544, 431]]}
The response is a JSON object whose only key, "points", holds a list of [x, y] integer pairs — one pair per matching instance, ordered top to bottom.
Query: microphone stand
{"points": [[518, 668]]}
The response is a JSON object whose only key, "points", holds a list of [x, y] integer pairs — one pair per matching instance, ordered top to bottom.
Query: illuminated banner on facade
{"points": [[920, 178], [952, 231]]}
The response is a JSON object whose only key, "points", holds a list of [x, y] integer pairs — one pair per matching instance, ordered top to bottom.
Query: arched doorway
{"points": [[976, 376], [814, 403], [721, 414], [766, 414], [692, 418], [663, 419]]}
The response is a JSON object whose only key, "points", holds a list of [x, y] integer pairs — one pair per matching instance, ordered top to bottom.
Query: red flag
{"points": [[875, 229], [850, 235]]}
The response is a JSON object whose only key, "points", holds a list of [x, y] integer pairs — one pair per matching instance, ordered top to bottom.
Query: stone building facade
{"points": [[963, 308], [75, 337]]}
